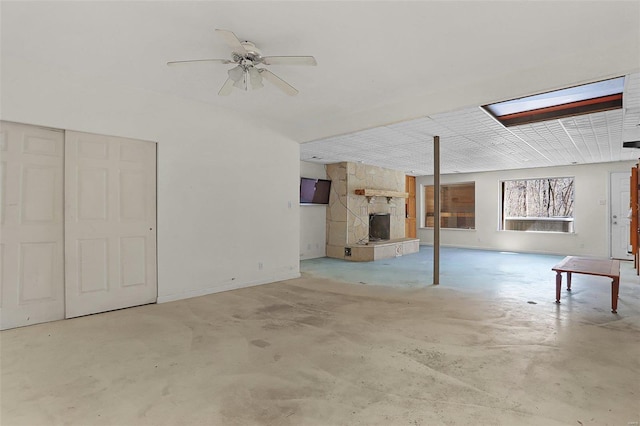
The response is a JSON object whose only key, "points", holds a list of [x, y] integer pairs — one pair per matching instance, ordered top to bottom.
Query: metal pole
{"points": [[436, 208]]}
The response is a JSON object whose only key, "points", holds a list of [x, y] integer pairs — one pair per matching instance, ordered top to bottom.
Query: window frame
{"points": [[603, 95], [458, 214], [568, 220]]}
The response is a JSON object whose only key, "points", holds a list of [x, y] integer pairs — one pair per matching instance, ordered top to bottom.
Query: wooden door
{"points": [[410, 207], [110, 221], [31, 225]]}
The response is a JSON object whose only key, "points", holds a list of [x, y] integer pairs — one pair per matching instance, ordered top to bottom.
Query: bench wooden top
{"points": [[590, 266]]}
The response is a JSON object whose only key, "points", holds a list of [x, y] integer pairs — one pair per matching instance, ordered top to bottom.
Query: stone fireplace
{"points": [[349, 213]]}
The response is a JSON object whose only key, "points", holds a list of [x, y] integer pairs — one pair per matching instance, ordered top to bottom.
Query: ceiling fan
{"points": [[247, 56]]}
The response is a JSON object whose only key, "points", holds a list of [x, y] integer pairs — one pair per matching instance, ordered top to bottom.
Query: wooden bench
{"points": [[589, 266]]}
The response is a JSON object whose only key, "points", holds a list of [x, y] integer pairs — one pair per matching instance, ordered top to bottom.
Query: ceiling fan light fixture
{"points": [[246, 55], [236, 73], [239, 77], [255, 78], [241, 83]]}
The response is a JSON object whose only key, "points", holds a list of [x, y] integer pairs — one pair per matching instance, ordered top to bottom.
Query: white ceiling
{"points": [[379, 63]]}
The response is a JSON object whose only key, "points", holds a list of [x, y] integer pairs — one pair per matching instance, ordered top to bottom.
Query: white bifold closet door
{"points": [[110, 223], [77, 224], [31, 225]]}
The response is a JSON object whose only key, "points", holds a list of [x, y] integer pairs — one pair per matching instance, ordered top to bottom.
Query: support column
{"points": [[436, 210]]}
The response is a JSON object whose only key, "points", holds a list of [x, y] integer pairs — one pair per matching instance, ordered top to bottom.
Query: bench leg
{"points": [[568, 281], [558, 286], [615, 287]]}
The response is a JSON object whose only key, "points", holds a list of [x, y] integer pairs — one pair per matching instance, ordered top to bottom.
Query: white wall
{"points": [[227, 189], [591, 212], [313, 219]]}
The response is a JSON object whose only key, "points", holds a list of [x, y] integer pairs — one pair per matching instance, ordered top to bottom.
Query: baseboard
{"points": [[224, 287]]}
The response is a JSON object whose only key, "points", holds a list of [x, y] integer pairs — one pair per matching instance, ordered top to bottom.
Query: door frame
{"points": [[611, 199]]}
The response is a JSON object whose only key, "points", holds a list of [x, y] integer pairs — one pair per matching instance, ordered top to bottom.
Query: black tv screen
{"points": [[314, 191]]}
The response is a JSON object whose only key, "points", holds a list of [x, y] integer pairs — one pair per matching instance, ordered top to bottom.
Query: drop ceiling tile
{"points": [[472, 140]]}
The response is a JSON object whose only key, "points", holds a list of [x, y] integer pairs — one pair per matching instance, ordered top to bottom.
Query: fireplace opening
{"points": [[379, 226]]}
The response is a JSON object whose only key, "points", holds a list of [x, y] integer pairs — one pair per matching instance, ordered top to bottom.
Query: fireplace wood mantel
{"points": [[381, 193]]}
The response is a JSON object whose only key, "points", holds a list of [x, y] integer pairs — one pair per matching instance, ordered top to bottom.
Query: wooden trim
{"points": [[587, 106], [381, 193], [635, 214], [410, 229], [633, 230]]}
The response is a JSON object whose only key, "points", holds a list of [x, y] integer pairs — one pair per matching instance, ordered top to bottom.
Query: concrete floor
{"points": [[487, 346]]}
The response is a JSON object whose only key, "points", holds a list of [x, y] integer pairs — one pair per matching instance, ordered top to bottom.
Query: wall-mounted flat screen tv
{"points": [[314, 191]]}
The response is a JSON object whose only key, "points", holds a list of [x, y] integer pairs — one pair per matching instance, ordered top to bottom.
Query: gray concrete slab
{"points": [[318, 351]]}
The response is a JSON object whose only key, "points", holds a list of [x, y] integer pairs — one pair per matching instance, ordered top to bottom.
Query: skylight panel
{"points": [[587, 98]]}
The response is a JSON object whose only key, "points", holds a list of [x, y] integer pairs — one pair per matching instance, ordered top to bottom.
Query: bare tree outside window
{"points": [[538, 204]]}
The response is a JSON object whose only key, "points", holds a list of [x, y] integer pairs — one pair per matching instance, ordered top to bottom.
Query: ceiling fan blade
{"points": [[233, 41], [289, 60], [220, 61], [280, 83], [226, 88]]}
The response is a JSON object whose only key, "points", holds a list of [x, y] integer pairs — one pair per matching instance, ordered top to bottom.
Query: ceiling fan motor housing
{"points": [[252, 53]]}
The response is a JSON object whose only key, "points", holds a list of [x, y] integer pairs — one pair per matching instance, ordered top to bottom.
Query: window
{"points": [[594, 97], [457, 205], [538, 205]]}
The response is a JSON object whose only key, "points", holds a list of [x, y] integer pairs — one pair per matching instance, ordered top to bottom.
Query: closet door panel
{"points": [[31, 225], [110, 248]]}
